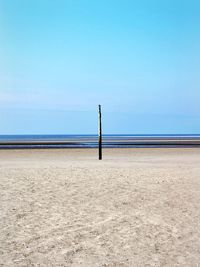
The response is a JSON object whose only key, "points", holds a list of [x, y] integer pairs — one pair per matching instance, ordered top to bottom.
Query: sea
{"points": [[91, 141]]}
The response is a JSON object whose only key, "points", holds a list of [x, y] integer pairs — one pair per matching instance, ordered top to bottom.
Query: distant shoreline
{"points": [[91, 141]]}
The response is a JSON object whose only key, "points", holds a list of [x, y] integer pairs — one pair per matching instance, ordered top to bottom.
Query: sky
{"points": [[139, 59]]}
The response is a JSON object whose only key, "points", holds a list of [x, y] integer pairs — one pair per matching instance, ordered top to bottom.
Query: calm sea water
{"points": [[91, 141]]}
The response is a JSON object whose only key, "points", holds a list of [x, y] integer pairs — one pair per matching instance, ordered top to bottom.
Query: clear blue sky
{"points": [[60, 59]]}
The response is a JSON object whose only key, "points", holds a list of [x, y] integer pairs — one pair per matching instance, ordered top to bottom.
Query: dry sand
{"points": [[138, 207]]}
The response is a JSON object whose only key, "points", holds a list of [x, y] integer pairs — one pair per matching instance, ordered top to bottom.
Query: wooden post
{"points": [[100, 134]]}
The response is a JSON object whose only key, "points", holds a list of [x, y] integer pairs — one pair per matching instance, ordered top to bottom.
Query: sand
{"points": [[137, 207]]}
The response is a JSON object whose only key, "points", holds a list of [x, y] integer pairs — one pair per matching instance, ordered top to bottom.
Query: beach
{"points": [[64, 207]]}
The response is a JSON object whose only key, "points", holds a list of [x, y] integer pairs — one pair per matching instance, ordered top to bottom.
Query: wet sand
{"points": [[137, 207]]}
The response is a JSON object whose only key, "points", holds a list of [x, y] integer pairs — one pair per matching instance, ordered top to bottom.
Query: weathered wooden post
{"points": [[100, 134]]}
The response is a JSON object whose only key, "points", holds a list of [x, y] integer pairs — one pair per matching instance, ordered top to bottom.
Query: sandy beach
{"points": [[137, 207]]}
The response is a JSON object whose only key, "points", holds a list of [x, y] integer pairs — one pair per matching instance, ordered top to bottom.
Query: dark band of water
{"points": [[91, 141]]}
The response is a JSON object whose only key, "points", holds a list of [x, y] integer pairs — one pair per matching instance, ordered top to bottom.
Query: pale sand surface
{"points": [[138, 207]]}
